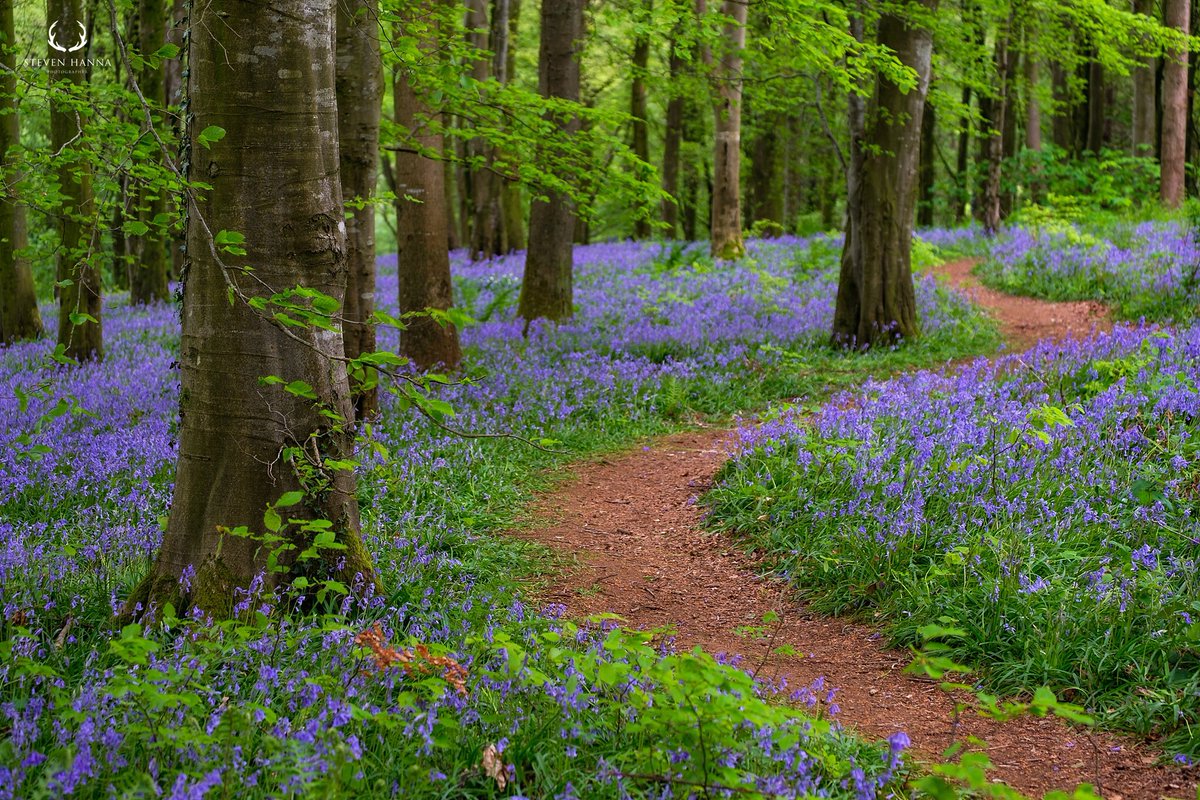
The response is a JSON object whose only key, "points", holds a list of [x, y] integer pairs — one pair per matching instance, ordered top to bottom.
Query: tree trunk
{"points": [[1177, 14], [505, 17], [173, 80], [359, 95], [1097, 108], [1033, 109], [1008, 115], [1063, 127], [1145, 128], [639, 129], [672, 140], [962, 166], [927, 176], [765, 201], [726, 226], [422, 229], [486, 230], [148, 278], [547, 290], [876, 301], [19, 316], [79, 320], [244, 443]]}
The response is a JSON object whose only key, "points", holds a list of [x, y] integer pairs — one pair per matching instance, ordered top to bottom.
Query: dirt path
{"points": [[632, 523]]}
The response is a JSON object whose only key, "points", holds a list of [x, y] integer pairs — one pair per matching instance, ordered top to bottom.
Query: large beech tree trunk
{"points": [[1177, 14], [266, 76], [359, 94], [1145, 122], [639, 128], [422, 227], [726, 227], [148, 277], [547, 290], [876, 301], [19, 316], [79, 321]]}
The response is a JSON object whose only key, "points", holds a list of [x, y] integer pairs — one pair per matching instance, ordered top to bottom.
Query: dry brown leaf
{"points": [[493, 766]]}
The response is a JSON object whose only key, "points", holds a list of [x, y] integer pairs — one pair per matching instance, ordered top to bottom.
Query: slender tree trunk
{"points": [[1177, 14], [505, 17], [173, 79], [359, 95], [1097, 108], [1033, 109], [1145, 128], [639, 129], [1062, 129], [672, 140], [1008, 143], [962, 166], [927, 175], [765, 201], [726, 225], [457, 228], [486, 229], [421, 231], [148, 279], [547, 290], [876, 300], [19, 316], [79, 320], [243, 443]]}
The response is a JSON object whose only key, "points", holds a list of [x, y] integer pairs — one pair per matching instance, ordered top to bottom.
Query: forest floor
{"points": [[630, 526]]}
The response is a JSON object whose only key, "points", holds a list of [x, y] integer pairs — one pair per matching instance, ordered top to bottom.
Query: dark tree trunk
{"points": [[1177, 15], [505, 17], [1011, 76], [173, 85], [359, 95], [1097, 108], [1033, 109], [1145, 121], [1063, 127], [639, 129], [672, 140], [962, 166], [452, 175], [925, 199], [765, 203], [726, 225], [486, 228], [422, 229], [148, 278], [547, 290], [876, 301], [19, 316], [79, 321], [243, 443]]}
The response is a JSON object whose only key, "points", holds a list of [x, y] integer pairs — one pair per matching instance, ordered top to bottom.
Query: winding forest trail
{"points": [[631, 523]]}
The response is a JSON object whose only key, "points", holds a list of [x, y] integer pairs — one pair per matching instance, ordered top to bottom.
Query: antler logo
{"points": [[71, 48]]}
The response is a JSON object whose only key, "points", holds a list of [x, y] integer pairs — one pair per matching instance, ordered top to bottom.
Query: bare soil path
{"points": [[633, 527]]}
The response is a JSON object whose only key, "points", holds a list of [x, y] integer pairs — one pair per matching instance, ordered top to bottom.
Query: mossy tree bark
{"points": [[1177, 15], [266, 76], [359, 95], [726, 226], [422, 229], [148, 278], [547, 289], [79, 292], [876, 302], [19, 316]]}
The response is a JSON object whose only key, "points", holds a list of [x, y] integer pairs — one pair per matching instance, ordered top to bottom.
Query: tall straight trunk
{"points": [[1177, 15], [505, 18], [173, 85], [359, 85], [1097, 108], [1033, 109], [1145, 122], [1062, 123], [639, 128], [1008, 137], [672, 140], [962, 166], [927, 174], [452, 175], [765, 201], [992, 210], [726, 225], [422, 228], [486, 229], [148, 278], [547, 289], [79, 293], [876, 301], [19, 316], [244, 443]]}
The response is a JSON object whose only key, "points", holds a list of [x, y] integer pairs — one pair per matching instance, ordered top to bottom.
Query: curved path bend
{"points": [[632, 527]]}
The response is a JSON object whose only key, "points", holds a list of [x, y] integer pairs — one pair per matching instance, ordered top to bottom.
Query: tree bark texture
{"points": [[1177, 15], [505, 21], [266, 75], [359, 95], [1097, 108], [1145, 118], [639, 127], [672, 142], [927, 175], [486, 226], [726, 226], [422, 227], [148, 277], [547, 289], [79, 293], [876, 301], [19, 315]]}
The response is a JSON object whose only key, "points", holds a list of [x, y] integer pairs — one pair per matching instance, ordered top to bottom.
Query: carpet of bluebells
{"points": [[1143, 270], [1047, 506], [450, 685]]}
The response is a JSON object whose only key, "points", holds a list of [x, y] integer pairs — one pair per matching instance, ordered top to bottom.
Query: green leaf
{"points": [[167, 51], [209, 135], [136, 228], [289, 499]]}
